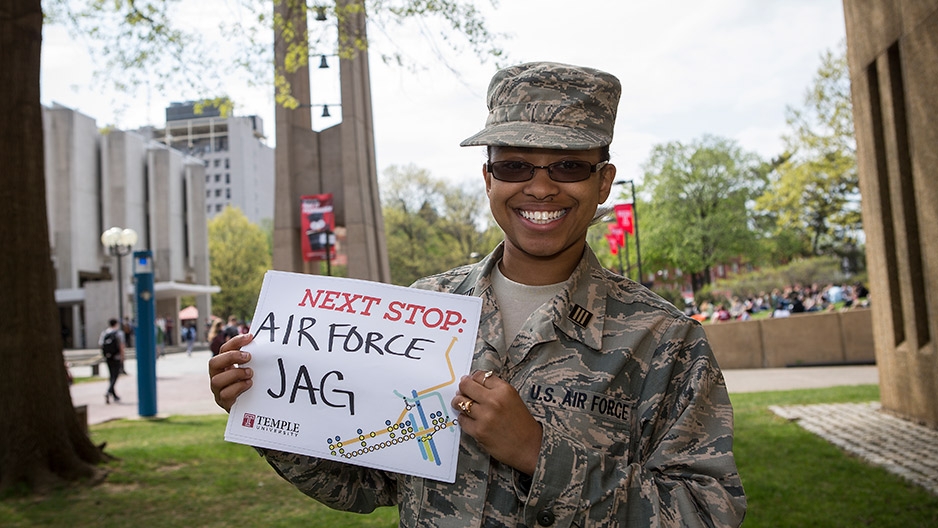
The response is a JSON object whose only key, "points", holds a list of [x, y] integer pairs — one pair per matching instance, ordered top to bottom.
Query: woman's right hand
{"points": [[227, 371]]}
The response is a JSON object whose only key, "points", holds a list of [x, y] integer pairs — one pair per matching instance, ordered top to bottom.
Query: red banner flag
{"points": [[625, 216], [317, 224], [617, 231], [613, 244]]}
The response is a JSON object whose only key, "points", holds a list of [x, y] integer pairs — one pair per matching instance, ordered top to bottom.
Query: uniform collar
{"points": [[582, 305], [579, 311]]}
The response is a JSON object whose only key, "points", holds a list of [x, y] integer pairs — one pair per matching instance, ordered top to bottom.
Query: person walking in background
{"points": [[128, 328], [233, 328], [189, 335], [160, 337], [216, 337], [111, 342]]}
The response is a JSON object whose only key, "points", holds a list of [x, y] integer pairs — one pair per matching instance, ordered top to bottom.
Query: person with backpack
{"points": [[112, 347]]}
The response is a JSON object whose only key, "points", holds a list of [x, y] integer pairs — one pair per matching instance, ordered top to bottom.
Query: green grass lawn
{"points": [[180, 472], [794, 478]]}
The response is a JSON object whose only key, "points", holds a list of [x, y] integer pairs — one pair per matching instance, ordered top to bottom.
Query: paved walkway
{"points": [[757, 380], [182, 387], [899, 446]]}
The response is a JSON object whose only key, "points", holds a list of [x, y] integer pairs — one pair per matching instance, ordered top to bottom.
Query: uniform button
{"points": [[545, 518]]}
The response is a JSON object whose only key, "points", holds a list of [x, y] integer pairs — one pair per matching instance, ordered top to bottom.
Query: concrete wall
{"points": [[892, 50], [252, 170], [95, 181], [832, 337]]}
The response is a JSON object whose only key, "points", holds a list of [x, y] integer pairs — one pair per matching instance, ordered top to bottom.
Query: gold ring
{"points": [[488, 374], [466, 406]]}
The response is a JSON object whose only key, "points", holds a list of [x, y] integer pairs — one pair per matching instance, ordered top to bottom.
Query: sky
{"points": [[688, 68]]}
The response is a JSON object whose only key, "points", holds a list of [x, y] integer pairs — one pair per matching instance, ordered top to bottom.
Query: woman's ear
{"points": [[607, 175], [487, 176]]}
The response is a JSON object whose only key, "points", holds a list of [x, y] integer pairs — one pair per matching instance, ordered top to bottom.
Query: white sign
{"points": [[358, 372]]}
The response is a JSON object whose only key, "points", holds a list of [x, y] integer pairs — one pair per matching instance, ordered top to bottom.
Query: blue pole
{"points": [[146, 335]]}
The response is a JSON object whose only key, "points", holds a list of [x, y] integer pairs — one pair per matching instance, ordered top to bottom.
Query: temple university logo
{"points": [[270, 425]]}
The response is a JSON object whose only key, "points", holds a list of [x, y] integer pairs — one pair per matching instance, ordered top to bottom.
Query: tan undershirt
{"points": [[517, 301]]}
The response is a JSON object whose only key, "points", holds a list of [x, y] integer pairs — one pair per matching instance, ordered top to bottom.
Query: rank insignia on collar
{"points": [[580, 315]]}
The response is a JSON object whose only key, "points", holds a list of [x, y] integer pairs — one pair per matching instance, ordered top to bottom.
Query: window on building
{"points": [[221, 144], [217, 162], [206, 163], [227, 163], [227, 177], [208, 178], [217, 178], [217, 192], [228, 193], [208, 194], [218, 208], [208, 209]]}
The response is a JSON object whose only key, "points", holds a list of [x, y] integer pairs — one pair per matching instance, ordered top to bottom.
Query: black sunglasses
{"points": [[567, 171]]}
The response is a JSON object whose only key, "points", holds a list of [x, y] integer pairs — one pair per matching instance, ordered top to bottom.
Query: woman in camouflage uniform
{"points": [[593, 402]]}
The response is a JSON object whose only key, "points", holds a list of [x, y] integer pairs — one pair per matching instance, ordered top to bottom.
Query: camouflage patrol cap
{"points": [[550, 105]]}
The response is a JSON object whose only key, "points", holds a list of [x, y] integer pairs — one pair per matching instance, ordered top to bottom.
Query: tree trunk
{"points": [[42, 443]]}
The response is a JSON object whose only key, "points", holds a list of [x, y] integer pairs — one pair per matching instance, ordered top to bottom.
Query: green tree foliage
{"points": [[140, 43], [814, 190], [699, 210], [432, 226], [240, 255]]}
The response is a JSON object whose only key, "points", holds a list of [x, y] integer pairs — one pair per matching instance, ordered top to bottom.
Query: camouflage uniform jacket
{"points": [[638, 427]]}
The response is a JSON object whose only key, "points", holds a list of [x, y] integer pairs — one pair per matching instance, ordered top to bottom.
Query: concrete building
{"points": [[892, 50], [239, 166], [98, 180]]}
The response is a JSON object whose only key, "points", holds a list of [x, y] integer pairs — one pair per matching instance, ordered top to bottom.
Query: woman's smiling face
{"points": [[545, 220]]}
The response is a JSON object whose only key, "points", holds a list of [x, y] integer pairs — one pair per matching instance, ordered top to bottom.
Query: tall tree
{"points": [[814, 192], [700, 196], [432, 226], [240, 255], [42, 440], [42, 443]]}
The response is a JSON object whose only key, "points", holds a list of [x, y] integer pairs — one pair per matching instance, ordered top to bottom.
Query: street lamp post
{"points": [[119, 243], [638, 245]]}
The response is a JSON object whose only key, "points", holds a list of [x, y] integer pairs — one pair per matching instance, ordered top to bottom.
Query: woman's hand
{"points": [[227, 371], [492, 412]]}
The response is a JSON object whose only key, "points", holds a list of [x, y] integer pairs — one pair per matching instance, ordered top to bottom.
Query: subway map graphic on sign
{"points": [[358, 372], [413, 424]]}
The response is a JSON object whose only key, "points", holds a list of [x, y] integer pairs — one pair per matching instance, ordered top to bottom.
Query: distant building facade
{"points": [[239, 166], [95, 181]]}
